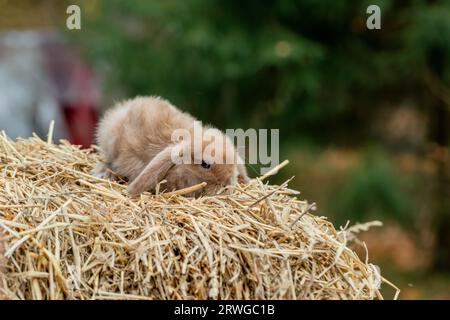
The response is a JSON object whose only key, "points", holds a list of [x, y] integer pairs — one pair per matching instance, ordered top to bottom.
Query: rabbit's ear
{"points": [[153, 173]]}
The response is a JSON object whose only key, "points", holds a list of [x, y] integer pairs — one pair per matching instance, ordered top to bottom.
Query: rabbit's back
{"points": [[134, 131]]}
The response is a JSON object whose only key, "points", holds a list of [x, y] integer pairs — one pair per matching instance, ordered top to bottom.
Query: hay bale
{"points": [[69, 235]]}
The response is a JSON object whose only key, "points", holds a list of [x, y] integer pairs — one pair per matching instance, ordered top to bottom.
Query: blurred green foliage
{"points": [[309, 67], [371, 190]]}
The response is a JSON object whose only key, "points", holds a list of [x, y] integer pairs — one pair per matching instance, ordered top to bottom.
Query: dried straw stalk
{"points": [[69, 235]]}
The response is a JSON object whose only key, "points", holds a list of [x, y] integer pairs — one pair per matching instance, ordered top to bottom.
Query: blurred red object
{"points": [[75, 88], [80, 121]]}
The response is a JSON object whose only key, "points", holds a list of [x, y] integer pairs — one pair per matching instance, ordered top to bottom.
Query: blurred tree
{"points": [[313, 64], [440, 135]]}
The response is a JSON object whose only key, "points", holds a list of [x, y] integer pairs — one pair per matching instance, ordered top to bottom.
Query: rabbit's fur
{"points": [[136, 139]]}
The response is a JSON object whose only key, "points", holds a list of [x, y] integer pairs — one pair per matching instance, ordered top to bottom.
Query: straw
{"points": [[69, 235]]}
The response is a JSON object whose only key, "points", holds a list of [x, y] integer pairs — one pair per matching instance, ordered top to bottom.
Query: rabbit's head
{"points": [[207, 157]]}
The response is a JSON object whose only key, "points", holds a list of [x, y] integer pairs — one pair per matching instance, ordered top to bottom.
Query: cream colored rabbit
{"points": [[137, 140]]}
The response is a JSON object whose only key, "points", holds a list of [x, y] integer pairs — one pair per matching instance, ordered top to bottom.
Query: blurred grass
{"points": [[350, 183], [359, 185], [417, 285]]}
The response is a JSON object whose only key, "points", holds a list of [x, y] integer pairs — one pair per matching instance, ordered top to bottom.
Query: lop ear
{"points": [[153, 173]]}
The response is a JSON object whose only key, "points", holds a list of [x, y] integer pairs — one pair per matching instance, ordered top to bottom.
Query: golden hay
{"points": [[69, 235]]}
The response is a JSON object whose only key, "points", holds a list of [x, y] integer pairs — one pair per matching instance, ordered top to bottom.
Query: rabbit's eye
{"points": [[205, 164]]}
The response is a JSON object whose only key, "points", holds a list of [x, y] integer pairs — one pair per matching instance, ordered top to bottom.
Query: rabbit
{"points": [[136, 138]]}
